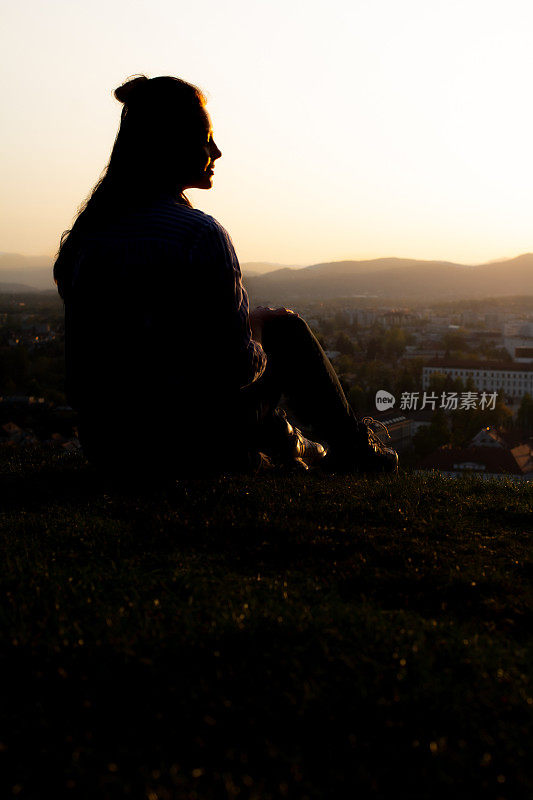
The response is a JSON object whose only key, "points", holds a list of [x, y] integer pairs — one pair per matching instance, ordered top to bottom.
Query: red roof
{"points": [[507, 438], [515, 438], [493, 460]]}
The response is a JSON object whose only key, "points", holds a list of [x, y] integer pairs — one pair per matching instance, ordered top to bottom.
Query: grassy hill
{"points": [[276, 636]]}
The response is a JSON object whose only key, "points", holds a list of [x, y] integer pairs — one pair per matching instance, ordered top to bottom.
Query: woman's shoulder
{"points": [[179, 217], [200, 218], [161, 230]]}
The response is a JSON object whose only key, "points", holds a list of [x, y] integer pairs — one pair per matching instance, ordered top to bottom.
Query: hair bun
{"points": [[125, 92]]}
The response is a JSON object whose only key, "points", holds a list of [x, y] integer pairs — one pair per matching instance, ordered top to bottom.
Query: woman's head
{"points": [[165, 140], [164, 145]]}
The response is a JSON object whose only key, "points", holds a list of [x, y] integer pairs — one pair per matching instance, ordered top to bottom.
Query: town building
{"points": [[398, 318], [514, 344], [524, 355], [510, 380], [490, 454]]}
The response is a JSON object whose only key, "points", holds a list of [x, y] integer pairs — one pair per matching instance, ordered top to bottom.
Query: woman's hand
{"points": [[261, 313]]}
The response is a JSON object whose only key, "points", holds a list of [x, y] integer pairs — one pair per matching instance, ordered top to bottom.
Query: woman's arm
{"points": [[239, 357]]}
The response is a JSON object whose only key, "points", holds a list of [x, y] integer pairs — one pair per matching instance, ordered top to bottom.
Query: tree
{"points": [[326, 326], [454, 341], [394, 343], [344, 344], [374, 348], [342, 364], [14, 366], [409, 377], [440, 382], [524, 416], [466, 423], [430, 437]]}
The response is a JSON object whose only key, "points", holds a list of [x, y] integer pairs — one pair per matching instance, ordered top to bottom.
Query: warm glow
{"points": [[349, 128]]}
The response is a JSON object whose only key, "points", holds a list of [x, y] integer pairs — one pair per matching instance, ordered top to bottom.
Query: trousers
{"points": [[298, 368]]}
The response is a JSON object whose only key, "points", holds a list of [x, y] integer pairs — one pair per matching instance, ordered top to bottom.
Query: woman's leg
{"points": [[298, 368]]}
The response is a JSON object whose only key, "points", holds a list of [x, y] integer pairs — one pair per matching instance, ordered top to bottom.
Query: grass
{"points": [[277, 636]]}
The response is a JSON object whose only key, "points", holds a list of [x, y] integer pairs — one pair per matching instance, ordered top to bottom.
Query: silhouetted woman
{"points": [[166, 366]]}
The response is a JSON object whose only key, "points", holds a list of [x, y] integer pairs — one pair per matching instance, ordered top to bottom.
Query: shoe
{"points": [[287, 445], [306, 450], [366, 452]]}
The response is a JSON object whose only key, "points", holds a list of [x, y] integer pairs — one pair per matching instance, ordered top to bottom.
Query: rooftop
{"points": [[493, 366], [490, 460]]}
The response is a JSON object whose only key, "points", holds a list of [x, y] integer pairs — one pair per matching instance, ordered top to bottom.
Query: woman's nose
{"points": [[216, 153]]}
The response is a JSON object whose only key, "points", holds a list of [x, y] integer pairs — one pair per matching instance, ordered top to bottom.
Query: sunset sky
{"points": [[349, 128]]}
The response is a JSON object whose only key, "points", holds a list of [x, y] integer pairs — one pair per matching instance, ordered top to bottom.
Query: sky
{"points": [[349, 129]]}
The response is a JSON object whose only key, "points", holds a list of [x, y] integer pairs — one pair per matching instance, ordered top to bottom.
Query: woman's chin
{"points": [[205, 182]]}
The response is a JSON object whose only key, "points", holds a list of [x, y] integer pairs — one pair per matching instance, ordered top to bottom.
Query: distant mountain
{"points": [[17, 260], [260, 267], [34, 271], [385, 278], [393, 278], [16, 288]]}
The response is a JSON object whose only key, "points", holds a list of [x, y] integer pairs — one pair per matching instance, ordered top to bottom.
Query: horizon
{"points": [[284, 265], [414, 280]]}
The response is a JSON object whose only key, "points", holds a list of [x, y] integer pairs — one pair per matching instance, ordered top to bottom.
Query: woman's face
{"points": [[202, 164]]}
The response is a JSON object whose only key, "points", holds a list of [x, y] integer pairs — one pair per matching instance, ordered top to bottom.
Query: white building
{"points": [[511, 380]]}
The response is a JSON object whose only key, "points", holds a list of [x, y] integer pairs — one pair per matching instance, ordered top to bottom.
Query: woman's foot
{"points": [[286, 444], [361, 451]]}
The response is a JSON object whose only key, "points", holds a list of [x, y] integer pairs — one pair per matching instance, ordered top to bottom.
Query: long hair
{"points": [[160, 127]]}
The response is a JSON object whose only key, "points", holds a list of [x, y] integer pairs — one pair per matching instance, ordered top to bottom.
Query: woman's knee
{"points": [[284, 328]]}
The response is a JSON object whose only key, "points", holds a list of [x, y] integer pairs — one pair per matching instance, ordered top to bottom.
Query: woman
{"points": [[164, 363]]}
